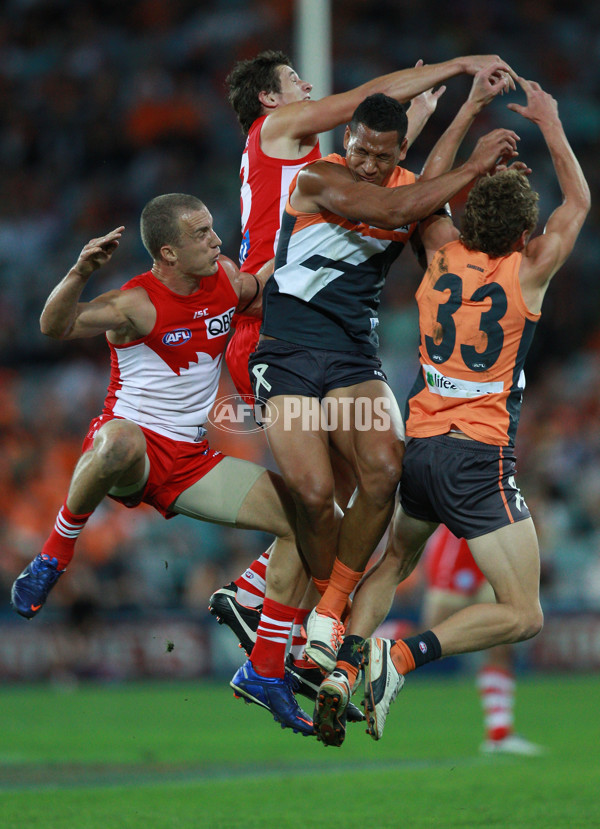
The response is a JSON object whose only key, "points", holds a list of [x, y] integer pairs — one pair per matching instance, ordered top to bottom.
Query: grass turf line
{"points": [[189, 755]]}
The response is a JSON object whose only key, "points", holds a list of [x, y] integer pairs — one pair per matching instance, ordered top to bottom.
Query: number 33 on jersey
{"points": [[475, 334]]}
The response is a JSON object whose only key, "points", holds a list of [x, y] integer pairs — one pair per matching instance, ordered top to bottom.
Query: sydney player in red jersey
{"points": [[282, 125], [479, 302], [166, 330]]}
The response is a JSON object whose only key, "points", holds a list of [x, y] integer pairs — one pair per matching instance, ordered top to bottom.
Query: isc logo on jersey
{"points": [[218, 326], [178, 337]]}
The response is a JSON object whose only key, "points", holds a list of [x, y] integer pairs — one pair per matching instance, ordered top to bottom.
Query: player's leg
{"points": [[371, 438], [300, 448], [376, 454], [115, 463], [434, 470], [241, 494], [509, 559], [248, 589], [244, 596], [371, 605], [495, 677], [495, 681], [496, 685]]}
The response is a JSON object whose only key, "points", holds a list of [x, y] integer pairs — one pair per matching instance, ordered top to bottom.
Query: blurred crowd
{"points": [[108, 104]]}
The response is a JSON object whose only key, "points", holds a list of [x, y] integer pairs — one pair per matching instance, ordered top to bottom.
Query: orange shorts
{"points": [[239, 349], [174, 465], [449, 564]]}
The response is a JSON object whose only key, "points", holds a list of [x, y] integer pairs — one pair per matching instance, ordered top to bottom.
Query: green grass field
{"points": [[189, 755]]}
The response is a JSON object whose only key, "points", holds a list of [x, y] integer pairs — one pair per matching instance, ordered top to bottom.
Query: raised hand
{"points": [[477, 63], [489, 82], [427, 101], [541, 107], [498, 146], [97, 252]]}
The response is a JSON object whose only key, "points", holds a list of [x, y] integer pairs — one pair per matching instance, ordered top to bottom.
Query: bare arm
{"points": [[487, 83], [420, 111], [308, 118], [327, 186], [437, 231], [545, 254], [248, 287], [64, 317]]}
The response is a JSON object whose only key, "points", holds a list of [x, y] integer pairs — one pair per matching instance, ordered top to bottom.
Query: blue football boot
{"points": [[30, 589], [274, 694]]}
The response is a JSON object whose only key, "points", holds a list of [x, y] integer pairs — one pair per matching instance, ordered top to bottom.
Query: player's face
{"points": [[292, 87], [370, 155], [199, 246]]}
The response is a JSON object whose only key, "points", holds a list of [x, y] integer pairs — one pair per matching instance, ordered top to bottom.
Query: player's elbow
{"points": [[581, 201], [586, 202], [52, 330], [48, 331]]}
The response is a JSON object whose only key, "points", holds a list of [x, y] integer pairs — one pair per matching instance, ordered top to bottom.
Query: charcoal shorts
{"points": [[278, 367], [467, 485]]}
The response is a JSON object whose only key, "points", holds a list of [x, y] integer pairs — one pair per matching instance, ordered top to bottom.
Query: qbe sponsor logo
{"points": [[219, 326]]}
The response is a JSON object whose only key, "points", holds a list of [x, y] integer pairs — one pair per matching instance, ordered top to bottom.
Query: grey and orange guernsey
{"points": [[329, 274], [475, 334]]}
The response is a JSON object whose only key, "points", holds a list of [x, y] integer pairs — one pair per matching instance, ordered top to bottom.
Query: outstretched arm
{"points": [[487, 83], [306, 118], [328, 186], [545, 254], [64, 317]]}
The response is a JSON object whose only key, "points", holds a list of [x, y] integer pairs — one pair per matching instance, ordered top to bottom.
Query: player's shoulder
{"points": [[332, 164], [400, 176], [228, 265], [231, 271], [132, 301]]}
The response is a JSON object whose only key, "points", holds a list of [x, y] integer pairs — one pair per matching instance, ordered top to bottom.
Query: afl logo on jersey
{"points": [[218, 326], [178, 337]]}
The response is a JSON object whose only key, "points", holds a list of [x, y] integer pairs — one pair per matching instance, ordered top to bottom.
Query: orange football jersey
{"points": [[475, 333]]}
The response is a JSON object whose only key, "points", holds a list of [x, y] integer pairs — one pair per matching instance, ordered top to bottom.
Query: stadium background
{"points": [[107, 104]]}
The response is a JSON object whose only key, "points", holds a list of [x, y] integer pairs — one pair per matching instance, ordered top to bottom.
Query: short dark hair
{"points": [[248, 79], [381, 113], [498, 209], [159, 222]]}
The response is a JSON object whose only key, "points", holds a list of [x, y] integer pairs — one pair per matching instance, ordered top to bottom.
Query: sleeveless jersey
{"points": [[265, 185], [264, 191], [329, 273], [475, 334], [167, 381]]}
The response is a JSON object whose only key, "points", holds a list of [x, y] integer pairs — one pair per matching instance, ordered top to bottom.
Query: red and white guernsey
{"points": [[264, 192], [167, 381]]}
